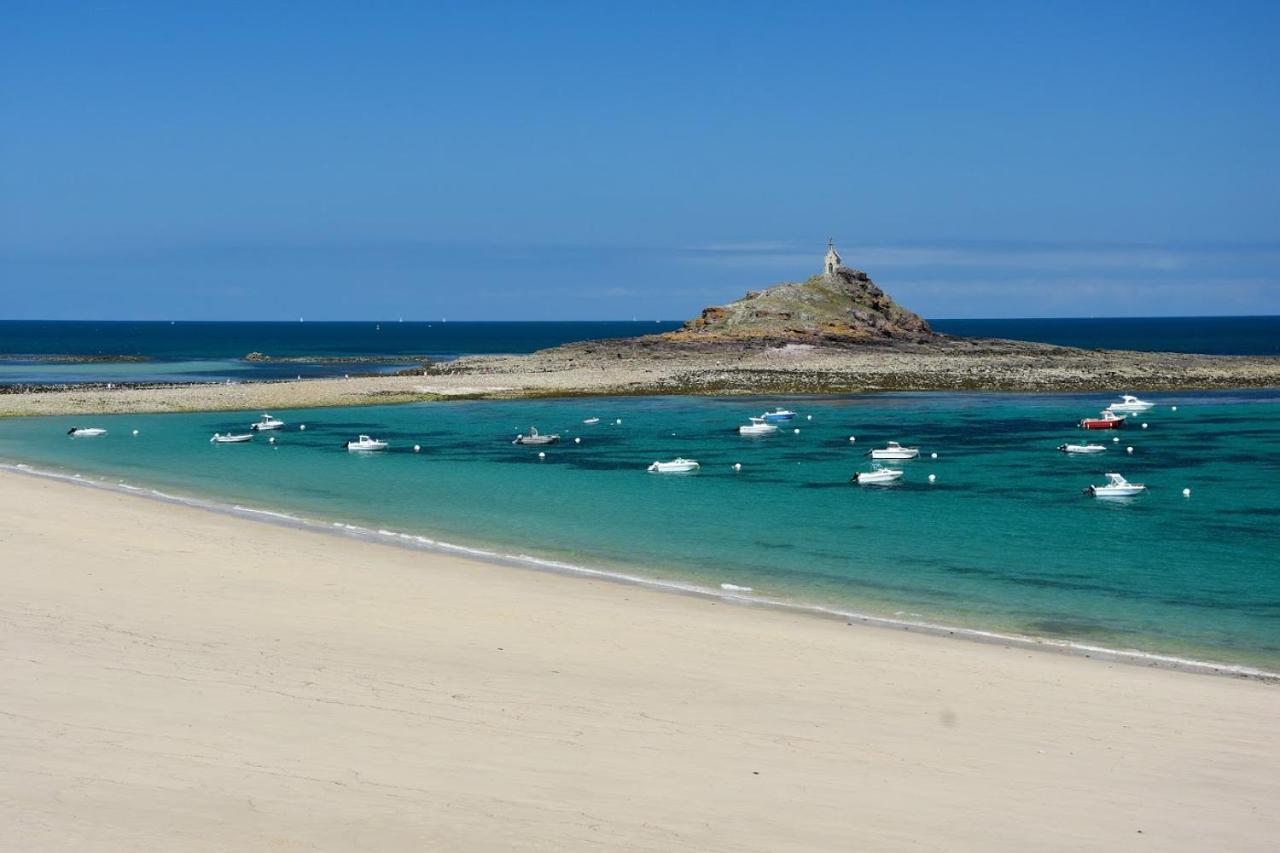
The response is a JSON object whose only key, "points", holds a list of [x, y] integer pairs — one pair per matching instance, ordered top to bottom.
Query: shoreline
{"points": [[651, 366], [526, 562], [181, 679]]}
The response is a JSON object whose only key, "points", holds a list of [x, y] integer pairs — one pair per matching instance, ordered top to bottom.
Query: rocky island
{"points": [[836, 332]]}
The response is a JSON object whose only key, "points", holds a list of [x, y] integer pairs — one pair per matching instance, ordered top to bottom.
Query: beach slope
{"points": [[177, 679]]}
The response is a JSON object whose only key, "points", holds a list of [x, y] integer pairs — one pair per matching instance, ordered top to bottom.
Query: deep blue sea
{"points": [[213, 351], [1002, 540]]}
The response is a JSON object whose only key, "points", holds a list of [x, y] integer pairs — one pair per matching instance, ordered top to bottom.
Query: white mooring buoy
{"points": [[1174, 408], [808, 417], [302, 427], [797, 430], [135, 432], [271, 440], [1115, 440], [577, 441], [417, 448], [1128, 449], [542, 454], [933, 455], [737, 466], [933, 477], [1186, 493]]}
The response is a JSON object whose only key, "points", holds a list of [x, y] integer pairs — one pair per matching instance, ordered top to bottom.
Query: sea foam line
{"points": [[728, 592]]}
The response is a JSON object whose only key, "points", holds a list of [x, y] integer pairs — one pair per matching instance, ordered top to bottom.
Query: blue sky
{"points": [[597, 160]]}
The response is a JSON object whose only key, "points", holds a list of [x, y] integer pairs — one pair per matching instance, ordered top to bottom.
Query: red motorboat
{"points": [[1107, 419]]}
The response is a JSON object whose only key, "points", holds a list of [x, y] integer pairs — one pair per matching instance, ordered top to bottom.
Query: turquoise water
{"points": [[1003, 540]]}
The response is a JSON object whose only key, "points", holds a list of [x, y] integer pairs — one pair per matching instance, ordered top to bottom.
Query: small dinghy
{"points": [[1130, 405], [779, 414], [1106, 419], [591, 421], [266, 422], [758, 426], [85, 432], [534, 437], [219, 438], [364, 442], [1082, 448], [893, 450], [675, 466], [876, 476], [1116, 487]]}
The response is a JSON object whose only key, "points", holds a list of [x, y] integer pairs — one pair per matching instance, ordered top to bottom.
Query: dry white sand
{"points": [[174, 679]]}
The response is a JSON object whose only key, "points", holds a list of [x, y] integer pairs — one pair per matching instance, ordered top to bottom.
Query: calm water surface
{"points": [[213, 351], [1003, 539]]}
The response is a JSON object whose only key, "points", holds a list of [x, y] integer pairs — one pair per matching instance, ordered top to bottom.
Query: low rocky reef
{"points": [[263, 358]]}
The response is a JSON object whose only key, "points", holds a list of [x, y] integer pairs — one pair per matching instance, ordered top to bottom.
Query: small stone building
{"points": [[832, 261]]}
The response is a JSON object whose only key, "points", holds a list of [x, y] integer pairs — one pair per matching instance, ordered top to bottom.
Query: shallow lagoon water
{"points": [[1002, 540]]}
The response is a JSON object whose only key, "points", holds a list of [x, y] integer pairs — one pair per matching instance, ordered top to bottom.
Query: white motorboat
{"points": [[1130, 405], [779, 414], [591, 421], [266, 422], [758, 426], [85, 432], [229, 438], [535, 438], [364, 442], [1082, 448], [893, 450], [675, 466], [876, 476], [1116, 487]]}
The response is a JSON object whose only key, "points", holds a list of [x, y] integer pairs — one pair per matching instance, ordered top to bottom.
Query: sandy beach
{"points": [[651, 366], [174, 678]]}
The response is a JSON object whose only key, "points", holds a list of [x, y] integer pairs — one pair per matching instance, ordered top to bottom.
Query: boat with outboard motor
{"points": [[1130, 405], [779, 414], [1106, 419], [591, 421], [266, 422], [758, 426], [86, 432], [230, 438], [536, 438], [364, 442], [1082, 448], [893, 450], [678, 465], [876, 476], [1116, 487]]}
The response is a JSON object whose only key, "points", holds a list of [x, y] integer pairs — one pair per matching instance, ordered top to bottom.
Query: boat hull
{"points": [[1102, 423], [537, 440], [894, 454], [682, 467], [877, 478], [1116, 491]]}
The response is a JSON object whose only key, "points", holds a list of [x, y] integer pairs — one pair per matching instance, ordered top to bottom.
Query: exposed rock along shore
{"points": [[836, 333]]}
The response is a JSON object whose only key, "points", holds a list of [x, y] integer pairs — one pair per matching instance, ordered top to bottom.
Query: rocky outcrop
{"points": [[847, 307]]}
